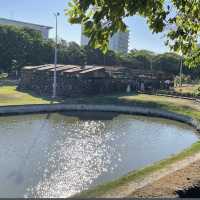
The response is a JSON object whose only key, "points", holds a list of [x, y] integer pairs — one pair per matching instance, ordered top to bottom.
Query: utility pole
{"points": [[55, 58], [151, 64], [151, 67], [181, 68]]}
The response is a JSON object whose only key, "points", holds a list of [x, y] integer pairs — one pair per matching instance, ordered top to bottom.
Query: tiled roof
{"points": [[33, 67], [46, 67], [64, 67], [77, 69], [91, 70]]}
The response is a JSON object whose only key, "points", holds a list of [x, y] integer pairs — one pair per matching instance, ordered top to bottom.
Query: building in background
{"points": [[44, 30], [84, 39], [118, 42]]}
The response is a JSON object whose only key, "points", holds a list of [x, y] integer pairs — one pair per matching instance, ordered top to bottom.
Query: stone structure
{"points": [[83, 81]]}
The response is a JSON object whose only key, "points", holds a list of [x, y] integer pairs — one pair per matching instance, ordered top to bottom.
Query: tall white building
{"points": [[44, 30], [84, 40], [118, 42]]}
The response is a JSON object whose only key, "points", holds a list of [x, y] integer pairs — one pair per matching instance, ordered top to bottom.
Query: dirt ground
{"points": [[162, 183], [168, 185]]}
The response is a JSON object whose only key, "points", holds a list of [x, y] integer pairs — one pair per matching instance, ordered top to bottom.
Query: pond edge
{"points": [[135, 110]]}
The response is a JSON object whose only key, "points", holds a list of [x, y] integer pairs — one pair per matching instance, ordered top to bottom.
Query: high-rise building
{"points": [[44, 30], [84, 39], [118, 42]]}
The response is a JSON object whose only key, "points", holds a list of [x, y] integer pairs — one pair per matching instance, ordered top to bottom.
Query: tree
{"points": [[179, 18], [23, 46], [13, 47], [35, 47], [75, 54], [144, 56], [96, 57], [129, 61], [168, 62]]}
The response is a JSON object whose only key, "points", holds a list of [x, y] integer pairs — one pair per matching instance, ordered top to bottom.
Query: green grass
{"points": [[10, 96], [181, 106], [139, 174]]}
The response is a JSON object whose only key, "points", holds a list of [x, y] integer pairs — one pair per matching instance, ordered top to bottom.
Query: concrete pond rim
{"points": [[133, 110]]}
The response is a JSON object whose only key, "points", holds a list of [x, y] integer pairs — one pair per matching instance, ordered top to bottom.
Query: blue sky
{"points": [[41, 12]]}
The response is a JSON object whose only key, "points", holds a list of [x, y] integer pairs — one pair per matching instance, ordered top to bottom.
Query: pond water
{"points": [[60, 154]]}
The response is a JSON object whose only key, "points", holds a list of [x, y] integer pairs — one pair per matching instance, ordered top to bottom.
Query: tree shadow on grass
{"points": [[43, 97], [113, 99]]}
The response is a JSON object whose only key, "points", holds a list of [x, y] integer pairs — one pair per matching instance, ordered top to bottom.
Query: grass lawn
{"points": [[10, 96], [177, 105], [181, 106]]}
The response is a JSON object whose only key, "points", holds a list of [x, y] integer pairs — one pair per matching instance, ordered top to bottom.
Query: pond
{"points": [[60, 154]]}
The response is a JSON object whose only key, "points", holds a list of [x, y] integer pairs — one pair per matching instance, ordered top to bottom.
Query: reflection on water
{"points": [[58, 155]]}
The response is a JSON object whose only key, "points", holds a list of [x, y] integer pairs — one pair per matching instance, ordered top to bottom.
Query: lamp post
{"points": [[55, 58], [151, 64], [181, 68], [181, 71]]}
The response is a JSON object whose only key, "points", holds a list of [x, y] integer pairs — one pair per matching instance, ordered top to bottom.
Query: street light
{"points": [[55, 57], [151, 63], [181, 67]]}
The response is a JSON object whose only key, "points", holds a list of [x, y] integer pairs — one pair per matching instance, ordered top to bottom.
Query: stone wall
{"points": [[81, 81], [41, 83], [72, 85]]}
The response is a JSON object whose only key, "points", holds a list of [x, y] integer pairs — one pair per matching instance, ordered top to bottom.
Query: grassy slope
{"points": [[182, 106]]}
